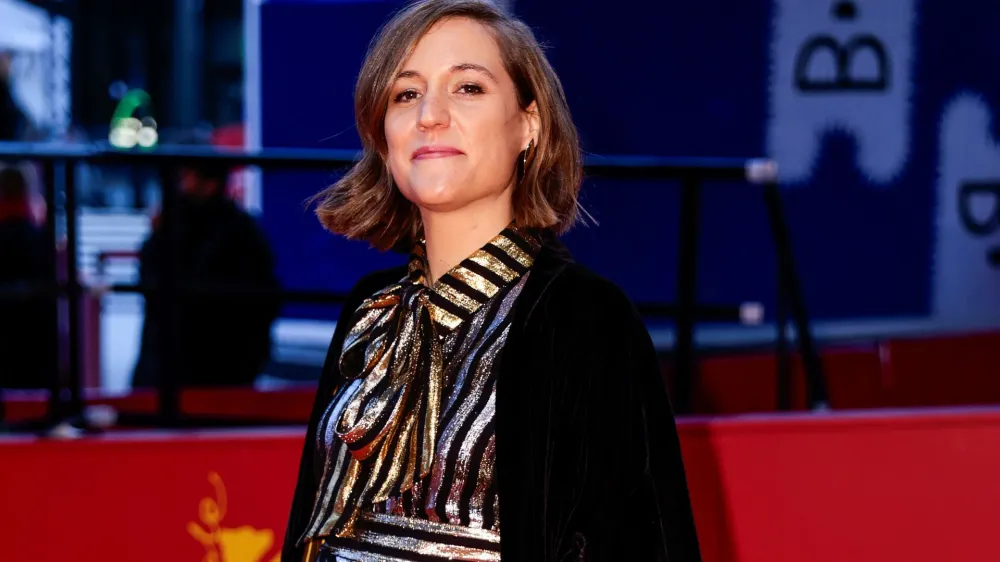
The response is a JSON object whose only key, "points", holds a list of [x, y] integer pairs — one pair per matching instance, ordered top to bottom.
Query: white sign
{"points": [[841, 66], [966, 286]]}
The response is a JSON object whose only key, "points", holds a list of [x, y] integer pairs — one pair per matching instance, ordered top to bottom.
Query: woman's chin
{"points": [[438, 199]]}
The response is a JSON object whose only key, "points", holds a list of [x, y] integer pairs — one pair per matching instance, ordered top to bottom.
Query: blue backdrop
{"points": [[878, 111]]}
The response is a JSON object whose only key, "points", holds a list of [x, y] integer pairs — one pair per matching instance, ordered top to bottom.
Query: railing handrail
{"points": [[59, 159], [753, 170]]}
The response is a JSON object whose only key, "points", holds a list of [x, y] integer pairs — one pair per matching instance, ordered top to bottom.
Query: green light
{"points": [[126, 130]]}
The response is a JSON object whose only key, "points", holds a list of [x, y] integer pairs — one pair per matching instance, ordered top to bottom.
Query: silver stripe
{"points": [[329, 434], [462, 477]]}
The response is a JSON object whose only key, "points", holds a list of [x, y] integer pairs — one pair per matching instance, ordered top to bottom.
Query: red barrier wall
{"points": [[863, 487]]}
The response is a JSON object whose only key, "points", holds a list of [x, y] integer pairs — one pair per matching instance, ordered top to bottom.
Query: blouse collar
{"points": [[459, 293]]}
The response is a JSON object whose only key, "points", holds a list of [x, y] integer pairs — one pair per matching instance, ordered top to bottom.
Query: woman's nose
{"points": [[433, 112]]}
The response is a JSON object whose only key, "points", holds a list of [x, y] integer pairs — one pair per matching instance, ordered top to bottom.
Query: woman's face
{"points": [[453, 125]]}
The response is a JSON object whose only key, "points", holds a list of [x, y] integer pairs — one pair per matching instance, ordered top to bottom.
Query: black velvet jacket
{"points": [[589, 463]]}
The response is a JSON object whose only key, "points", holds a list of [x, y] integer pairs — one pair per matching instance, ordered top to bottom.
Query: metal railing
{"points": [[58, 162]]}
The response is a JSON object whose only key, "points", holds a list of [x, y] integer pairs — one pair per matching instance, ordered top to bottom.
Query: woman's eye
{"points": [[470, 89], [405, 96]]}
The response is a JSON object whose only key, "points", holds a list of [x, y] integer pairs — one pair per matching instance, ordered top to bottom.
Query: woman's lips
{"points": [[430, 151]]}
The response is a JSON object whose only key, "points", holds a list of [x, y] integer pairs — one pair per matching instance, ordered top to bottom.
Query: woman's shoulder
{"points": [[579, 293]]}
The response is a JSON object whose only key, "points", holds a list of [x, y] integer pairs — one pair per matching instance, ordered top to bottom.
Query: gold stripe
{"points": [[513, 250], [418, 257], [489, 261], [476, 281], [456, 297], [443, 317], [433, 409], [351, 428], [383, 454], [396, 464], [411, 465], [344, 494], [422, 525], [311, 553]]}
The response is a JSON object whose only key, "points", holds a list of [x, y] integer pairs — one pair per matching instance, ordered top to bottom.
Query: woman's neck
{"points": [[453, 236]]}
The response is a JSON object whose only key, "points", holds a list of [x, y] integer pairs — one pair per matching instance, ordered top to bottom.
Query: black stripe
{"points": [[521, 241], [506, 258], [485, 272], [464, 288], [439, 300], [380, 330], [492, 337], [484, 339], [456, 341], [473, 341], [382, 386], [325, 420], [380, 422], [402, 440], [420, 443], [451, 462], [475, 468], [383, 472], [407, 498], [353, 500], [489, 514]]}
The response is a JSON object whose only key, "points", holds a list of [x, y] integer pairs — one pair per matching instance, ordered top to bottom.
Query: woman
{"points": [[493, 397]]}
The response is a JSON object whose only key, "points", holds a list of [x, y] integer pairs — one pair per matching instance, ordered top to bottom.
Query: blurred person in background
{"points": [[13, 121], [27, 325], [223, 337], [493, 399]]}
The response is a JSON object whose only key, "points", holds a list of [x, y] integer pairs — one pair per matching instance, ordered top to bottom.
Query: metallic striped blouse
{"points": [[409, 437]]}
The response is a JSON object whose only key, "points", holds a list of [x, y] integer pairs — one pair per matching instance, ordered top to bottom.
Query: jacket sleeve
{"points": [[309, 471], [630, 498]]}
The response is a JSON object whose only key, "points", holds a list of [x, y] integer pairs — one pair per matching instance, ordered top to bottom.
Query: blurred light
{"points": [[117, 90], [126, 130], [122, 137], [147, 137]]}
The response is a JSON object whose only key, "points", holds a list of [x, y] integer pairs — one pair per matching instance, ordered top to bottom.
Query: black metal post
{"points": [[187, 65], [687, 285], [73, 289], [166, 295], [52, 297], [783, 370], [815, 381]]}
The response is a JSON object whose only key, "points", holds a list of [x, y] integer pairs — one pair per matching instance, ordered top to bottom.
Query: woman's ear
{"points": [[532, 123]]}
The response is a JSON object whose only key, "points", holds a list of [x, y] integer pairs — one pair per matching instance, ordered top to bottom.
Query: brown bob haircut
{"points": [[365, 204]]}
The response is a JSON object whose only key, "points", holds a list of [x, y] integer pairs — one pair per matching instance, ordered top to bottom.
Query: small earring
{"points": [[527, 154]]}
